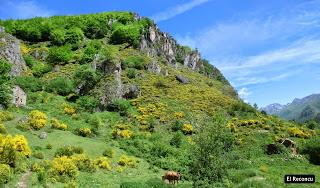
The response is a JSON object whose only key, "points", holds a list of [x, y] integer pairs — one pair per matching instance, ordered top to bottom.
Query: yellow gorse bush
{"points": [[68, 109], [5, 116], [37, 119], [56, 124], [3, 129], [187, 129], [296, 132], [122, 133], [10, 146], [127, 161], [103, 162], [63, 169]]}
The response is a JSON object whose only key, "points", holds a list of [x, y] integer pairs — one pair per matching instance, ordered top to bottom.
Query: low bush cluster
{"points": [[68, 109], [6, 116], [37, 119], [56, 124], [3, 129], [187, 129], [84, 131], [297, 132], [122, 133], [13, 147], [68, 151], [109, 152], [127, 161], [103, 162], [84, 163], [63, 169], [5, 173]]}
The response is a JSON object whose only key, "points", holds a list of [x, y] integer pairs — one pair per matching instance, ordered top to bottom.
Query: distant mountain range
{"points": [[300, 110]]}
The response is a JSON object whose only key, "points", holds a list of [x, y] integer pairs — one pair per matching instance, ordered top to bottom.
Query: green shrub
{"points": [[96, 29], [126, 34], [58, 36], [74, 36], [90, 51], [60, 55], [134, 61], [38, 68], [131, 73], [86, 77], [30, 83], [60, 85], [5, 86], [87, 103], [120, 105], [177, 126], [3, 129], [85, 132], [177, 139], [49, 146], [312, 149], [68, 151], [109, 152], [38, 155], [211, 155], [84, 163], [5, 173]]}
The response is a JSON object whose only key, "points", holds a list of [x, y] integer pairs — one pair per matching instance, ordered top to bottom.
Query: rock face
{"points": [[157, 43], [10, 51], [154, 67], [19, 97]]}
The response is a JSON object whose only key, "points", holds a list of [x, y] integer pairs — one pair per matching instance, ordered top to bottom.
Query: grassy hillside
{"points": [[118, 116]]}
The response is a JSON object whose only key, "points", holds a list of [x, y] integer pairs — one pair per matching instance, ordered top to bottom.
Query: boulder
{"points": [[10, 51], [154, 67], [182, 79], [131, 92], [19, 96], [43, 135]]}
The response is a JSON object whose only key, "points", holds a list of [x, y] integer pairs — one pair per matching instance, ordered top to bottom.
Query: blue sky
{"points": [[268, 50]]}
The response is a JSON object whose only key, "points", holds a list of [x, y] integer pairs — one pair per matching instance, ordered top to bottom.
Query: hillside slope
{"points": [[111, 101]]}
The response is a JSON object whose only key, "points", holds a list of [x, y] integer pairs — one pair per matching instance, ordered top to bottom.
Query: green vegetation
{"points": [[5, 89], [80, 128]]}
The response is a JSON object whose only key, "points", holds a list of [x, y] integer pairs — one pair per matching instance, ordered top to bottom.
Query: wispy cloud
{"points": [[23, 9], [179, 9], [259, 49], [244, 93]]}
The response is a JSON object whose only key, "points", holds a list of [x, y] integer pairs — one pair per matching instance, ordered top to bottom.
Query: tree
{"points": [[58, 36], [5, 85], [255, 106], [211, 152]]}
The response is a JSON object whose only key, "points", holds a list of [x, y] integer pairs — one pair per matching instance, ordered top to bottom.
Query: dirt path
{"points": [[23, 182]]}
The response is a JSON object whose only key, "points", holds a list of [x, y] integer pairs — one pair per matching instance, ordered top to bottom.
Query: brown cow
{"points": [[172, 177]]}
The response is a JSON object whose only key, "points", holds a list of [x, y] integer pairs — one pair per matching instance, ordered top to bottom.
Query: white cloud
{"points": [[23, 9], [179, 9], [261, 49], [244, 93]]}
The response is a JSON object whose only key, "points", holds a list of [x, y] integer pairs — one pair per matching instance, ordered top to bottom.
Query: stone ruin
{"points": [[19, 97]]}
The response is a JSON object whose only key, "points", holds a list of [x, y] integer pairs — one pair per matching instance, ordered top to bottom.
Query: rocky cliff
{"points": [[10, 51]]}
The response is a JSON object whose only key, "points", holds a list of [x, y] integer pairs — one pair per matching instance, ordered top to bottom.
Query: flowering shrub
{"points": [[68, 109], [178, 115], [5, 116], [37, 119], [57, 125], [3, 129], [187, 129], [85, 132], [296, 132], [122, 133], [10, 147], [68, 151], [109, 152], [127, 161], [103, 162], [84, 163], [36, 167], [63, 169], [5, 173]]}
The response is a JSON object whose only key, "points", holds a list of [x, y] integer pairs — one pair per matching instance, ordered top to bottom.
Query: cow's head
{"points": [[179, 174]]}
